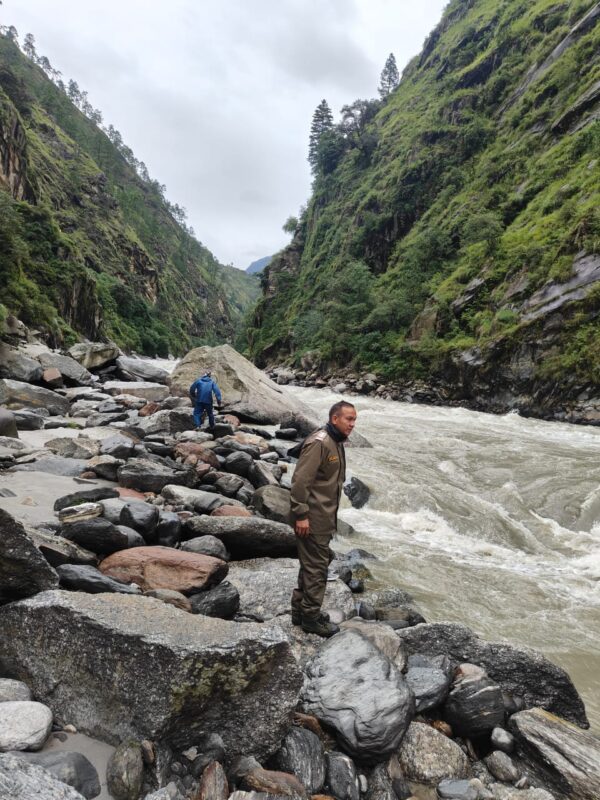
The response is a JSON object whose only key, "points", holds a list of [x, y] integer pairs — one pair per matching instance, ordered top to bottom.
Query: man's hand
{"points": [[302, 528]]}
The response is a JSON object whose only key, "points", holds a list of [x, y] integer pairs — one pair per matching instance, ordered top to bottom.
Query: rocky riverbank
{"points": [[461, 384], [145, 576]]}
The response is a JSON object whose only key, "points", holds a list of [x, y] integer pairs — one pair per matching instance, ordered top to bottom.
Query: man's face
{"points": [[345, 420]]}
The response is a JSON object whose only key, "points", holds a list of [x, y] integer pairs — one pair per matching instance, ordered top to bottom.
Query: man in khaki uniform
{"points": [[315, 497]]}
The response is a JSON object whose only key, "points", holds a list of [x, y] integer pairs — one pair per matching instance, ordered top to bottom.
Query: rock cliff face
{"points": [[453, 233], [92, 247]]}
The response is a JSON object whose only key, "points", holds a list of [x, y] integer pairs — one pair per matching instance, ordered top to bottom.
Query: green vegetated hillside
{"points": [[453, 233], [87, 245]]}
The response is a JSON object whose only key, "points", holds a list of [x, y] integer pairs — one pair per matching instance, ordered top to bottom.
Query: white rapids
{"points": [[490, 521]]}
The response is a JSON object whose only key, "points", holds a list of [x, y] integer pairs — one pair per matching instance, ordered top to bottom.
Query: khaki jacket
{"points": [[317, 482]]}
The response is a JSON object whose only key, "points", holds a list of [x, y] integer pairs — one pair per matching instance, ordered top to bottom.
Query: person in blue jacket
{"points": [[201, 392]]}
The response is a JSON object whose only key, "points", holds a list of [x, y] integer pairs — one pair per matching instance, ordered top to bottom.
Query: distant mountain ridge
{"points": [[453, 234], [90, 245], [259, 265]]}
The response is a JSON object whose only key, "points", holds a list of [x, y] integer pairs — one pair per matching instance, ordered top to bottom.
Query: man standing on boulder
{"points": [[201, 392], [315, 498]]}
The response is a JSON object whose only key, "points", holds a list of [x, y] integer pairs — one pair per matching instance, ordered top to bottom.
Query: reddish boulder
{"points": [[232, 420], [184, 450], [132, 493], [165, 568]]}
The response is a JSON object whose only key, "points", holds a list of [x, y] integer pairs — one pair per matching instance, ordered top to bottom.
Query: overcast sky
{"points": [[217, 96]]}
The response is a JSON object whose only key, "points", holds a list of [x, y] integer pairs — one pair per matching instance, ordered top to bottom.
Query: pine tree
{"points": [[29, 46], [390, 77], [322, 121]]}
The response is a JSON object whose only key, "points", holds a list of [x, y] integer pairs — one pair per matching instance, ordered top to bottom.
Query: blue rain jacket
{"points": [[201, 391]]}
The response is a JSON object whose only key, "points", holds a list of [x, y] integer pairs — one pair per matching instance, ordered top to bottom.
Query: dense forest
{"points": [[454, 222], [89, 243]]}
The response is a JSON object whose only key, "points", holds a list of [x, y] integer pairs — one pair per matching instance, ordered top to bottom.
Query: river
{"points": [[490, 521]]}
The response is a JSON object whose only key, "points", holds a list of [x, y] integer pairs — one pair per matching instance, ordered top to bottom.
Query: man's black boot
{"points": [[297, 616], [319, 626]]}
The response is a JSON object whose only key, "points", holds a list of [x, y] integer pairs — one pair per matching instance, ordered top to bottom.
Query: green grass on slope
{"points": [[470, 201]]}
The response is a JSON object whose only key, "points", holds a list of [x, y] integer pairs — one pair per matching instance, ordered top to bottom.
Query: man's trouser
{"points": [[200, 409], [314, 555]]}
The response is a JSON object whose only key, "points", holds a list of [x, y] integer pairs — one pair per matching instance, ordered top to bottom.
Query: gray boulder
{"points": [[93, 355], [18, 366], [70, 369], [142, 369], [151, 392], [248, 393], [36, 397], [102, 419], [30, 420], [8, 424], [117, 446], [78, 447], [238, 463], [55, 465], [106, 467], [261, 474], [151, 476], [229, 485], [357, 492], [85, 496], [197, 499], [273, 502], [140, 516], [98, 535], [246, 537], [209, 545], [57, 550], [23, 569], [85, 578], [265, 586], [221, 601], [382, 636], [519, 671], [239, 680], [431, 687], [354, 689], [13, 690], [475, 705], [24, 725], [301, 753], [558, 755], [427, 756], [502, 767], [73, 769], [125, 771], [342, 777], [22, 781], [450, 789]]}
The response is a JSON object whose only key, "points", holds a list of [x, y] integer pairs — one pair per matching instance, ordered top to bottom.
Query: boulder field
{"points": [[145, 576]]}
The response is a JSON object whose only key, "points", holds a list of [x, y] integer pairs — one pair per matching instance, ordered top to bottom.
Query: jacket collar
{"points": [[334, 433]]}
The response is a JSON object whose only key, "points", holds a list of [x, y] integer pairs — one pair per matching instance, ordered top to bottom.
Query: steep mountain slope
{"points": [[453, 234], [87, 246], [259, 265]]}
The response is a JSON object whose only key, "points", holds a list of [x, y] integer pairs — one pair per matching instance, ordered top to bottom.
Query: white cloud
{"points": [[217, 96]]}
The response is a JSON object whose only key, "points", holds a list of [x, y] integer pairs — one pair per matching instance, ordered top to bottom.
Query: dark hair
{"points": [[336, 408]]}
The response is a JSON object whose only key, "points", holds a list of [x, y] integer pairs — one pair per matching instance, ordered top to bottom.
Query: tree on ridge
{"points": [[390, 77], [322, 121]]}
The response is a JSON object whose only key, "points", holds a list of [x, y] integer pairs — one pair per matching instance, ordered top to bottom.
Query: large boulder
{"points": [[93, 355], [18, 366], [70, 369], [142, 369], [247, 392], [24, 394], [8, 424], [152, 476], [197, 499], [273, 502], [245, 537], [57, 550], [165, 568], [23, 569], [265, 587], [520, 671], [207, 675], [355, 690], [24, 725], [302, 755], [427, 756], [560, 756], [73, 769], [22, 781]]}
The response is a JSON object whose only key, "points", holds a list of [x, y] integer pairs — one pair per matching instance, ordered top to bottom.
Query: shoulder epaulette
{"points": [[317, 436]]}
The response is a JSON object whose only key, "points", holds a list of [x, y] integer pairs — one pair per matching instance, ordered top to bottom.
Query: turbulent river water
{"points": [[490, 521]]}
